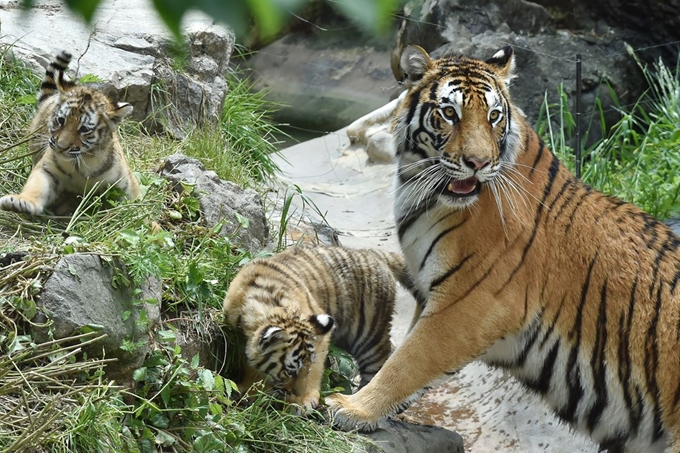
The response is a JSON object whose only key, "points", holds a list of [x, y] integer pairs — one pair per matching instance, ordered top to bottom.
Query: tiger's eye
{"points": [[449, 112], [494, 114]]}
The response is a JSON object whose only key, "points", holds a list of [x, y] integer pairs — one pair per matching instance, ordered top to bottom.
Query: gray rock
{"points": [[137, 61], [221, 200], [674, 224], [80, 292], [400, 437]]}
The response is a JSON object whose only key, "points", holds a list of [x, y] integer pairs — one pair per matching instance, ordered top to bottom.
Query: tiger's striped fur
{"points": [[75, 145], [525, 267], [289, 305]]}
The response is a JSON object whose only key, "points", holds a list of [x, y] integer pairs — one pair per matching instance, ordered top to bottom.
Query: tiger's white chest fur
{"points": [[538, 357]]}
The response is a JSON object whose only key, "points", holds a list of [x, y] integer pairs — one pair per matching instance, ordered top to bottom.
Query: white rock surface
{"points": [[125, 45], [489, 408]]}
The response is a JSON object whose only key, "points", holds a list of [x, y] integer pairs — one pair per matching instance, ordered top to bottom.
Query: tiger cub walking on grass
{"points": [[75, 145], [290, 305]]}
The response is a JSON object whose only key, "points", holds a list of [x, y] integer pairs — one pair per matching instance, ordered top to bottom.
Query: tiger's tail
{"points": [[50, 83]]}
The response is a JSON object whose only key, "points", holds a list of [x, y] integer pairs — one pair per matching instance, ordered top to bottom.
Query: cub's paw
{"points": [[18, 204], [304, 404], [348, 416]]}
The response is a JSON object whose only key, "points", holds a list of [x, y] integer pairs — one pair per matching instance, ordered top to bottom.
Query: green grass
{"points": [[639, 160], [176, 405]]}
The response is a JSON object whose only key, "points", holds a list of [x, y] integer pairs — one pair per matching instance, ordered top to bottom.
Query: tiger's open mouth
{"points": [[463, 187]]}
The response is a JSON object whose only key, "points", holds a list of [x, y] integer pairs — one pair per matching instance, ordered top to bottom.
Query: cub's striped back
{"points": [[288, 306]]}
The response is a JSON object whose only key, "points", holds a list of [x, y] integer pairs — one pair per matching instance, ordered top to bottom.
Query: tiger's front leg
{"points": [[40, 191], [439, 342], [308, 384]]}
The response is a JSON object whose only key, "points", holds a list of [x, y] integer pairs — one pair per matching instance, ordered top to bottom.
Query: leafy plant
{"points": [[178, 403]]}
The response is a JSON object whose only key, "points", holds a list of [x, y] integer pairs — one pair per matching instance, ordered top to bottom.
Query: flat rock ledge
{"points": [[396, 436]]}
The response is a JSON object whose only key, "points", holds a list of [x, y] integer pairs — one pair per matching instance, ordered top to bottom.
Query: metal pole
{"points": [[577, 146]]}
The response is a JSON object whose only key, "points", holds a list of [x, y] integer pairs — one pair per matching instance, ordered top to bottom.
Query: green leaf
{"points": [[85, 8], [171, 11], [373, 16], [174, 215], [242, 221], [167, 336], [194, 361], [139, 374], [207, 379], [166, 395], [159, 420], [164, 439], [209, 443]]}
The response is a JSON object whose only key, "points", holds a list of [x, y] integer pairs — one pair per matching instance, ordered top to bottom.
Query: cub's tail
{"points": [[54, 76]]}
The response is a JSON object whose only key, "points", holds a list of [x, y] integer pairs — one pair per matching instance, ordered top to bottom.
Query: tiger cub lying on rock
{"points": [[75, 144], [289, 306]]}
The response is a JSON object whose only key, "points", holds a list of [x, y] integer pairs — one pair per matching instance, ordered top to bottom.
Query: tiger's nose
{"points": [[474, 163]]}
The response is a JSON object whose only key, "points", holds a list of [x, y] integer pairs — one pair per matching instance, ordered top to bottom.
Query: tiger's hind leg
{"points": [[41, 190]]}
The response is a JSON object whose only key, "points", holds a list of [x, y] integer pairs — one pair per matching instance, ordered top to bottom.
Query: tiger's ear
{"points": [[414, 62], [503, 62], [122, 110], [322, 323], [269, 336]]}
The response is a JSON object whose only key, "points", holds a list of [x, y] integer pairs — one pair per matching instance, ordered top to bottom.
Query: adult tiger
{"points": [[75, 145], [524, 267]]}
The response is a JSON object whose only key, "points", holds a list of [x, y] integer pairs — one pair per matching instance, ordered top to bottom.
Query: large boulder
{"points": [[141, 65], [221, 201], [82, 292]]}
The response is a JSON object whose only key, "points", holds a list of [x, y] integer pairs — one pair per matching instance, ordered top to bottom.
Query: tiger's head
{"points": [[82, 120], [455, 130], [285, 345]]}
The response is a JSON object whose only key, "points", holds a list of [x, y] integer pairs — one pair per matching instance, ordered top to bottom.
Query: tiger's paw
{"points": [[17, 203], [304, 404], [348, 416]]}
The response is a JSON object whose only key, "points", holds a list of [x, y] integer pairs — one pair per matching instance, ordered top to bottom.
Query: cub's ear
{"points": [[414, 62], [504, 62], [122, 110], [322, 323], [269, 336]]}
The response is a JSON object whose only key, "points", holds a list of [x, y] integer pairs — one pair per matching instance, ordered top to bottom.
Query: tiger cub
{"points": [[75, 145], [290, 305]]}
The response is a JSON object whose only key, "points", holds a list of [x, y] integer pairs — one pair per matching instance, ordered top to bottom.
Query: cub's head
{"points": [[82, 119], [455, 130], [285, 345]]}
